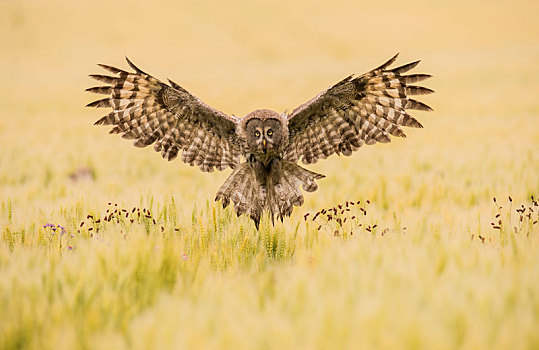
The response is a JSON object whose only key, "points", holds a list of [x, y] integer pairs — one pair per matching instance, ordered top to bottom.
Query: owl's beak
{"points": [[264, 145]]}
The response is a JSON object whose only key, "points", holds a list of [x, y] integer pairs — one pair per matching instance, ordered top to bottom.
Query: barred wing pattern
{"points": [[148, 111], [355, 111]]}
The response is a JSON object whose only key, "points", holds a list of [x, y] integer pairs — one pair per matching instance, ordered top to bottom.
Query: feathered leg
{"points": [[286, 180], [242, 188], [253, 188]]}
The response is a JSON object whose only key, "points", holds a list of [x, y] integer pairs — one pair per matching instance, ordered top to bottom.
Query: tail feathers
{"points": [[278, 192]]}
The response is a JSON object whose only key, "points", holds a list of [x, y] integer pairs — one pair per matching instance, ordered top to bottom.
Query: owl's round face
{"points": [[263, 136]]}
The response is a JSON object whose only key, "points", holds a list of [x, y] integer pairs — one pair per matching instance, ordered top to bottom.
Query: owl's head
{"points": [[264, 131]]}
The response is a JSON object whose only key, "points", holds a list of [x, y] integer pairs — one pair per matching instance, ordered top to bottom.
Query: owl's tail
{"points": [[276, 191]]}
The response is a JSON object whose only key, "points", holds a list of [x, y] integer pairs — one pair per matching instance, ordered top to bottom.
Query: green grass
{"points": [[431, 261], [213, 280]]}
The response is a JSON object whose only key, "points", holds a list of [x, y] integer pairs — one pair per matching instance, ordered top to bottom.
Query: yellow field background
{"points": [[432, 274]]}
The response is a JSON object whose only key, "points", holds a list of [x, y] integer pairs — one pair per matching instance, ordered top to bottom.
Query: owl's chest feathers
{"points": [[263, 158], [267, 167]]}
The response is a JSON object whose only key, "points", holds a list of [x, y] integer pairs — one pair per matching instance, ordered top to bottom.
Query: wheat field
{"points": [[105, 246]]}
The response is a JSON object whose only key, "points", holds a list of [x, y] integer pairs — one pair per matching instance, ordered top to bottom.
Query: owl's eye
{"points": [[269, 132], [257, 133]]}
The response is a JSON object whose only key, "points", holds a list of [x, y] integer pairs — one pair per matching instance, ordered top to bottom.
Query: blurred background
{"points": [[237, 56], [452, 279]]}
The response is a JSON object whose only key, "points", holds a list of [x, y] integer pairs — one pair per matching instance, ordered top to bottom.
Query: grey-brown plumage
{"points": [[355, 111]]}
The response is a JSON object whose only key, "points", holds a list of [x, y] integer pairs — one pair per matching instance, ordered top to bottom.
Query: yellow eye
{"points": [[270, 132], [257, 133]]}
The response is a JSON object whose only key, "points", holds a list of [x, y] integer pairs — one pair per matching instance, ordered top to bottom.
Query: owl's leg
{"points": [[305, 177], [285, 181], [275, 187], [242, 188]]}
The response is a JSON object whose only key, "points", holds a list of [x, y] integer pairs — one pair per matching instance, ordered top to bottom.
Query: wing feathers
{"points": [[388, 63], [405, 68], [113, 69], [139, 71], [414, 78], [105, 79], [105, 90], [418, 90], [100, 103], [413, 104], [367, 109], [149, 111]]}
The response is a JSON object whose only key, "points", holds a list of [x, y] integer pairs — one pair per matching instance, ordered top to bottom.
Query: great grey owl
{"points": [[264, 147]]}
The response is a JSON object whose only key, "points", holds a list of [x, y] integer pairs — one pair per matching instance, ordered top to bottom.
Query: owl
{"points": [[264, 147]]}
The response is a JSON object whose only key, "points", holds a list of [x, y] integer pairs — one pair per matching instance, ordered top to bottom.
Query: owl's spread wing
{"points": [[357, 110], [148, 111]]}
